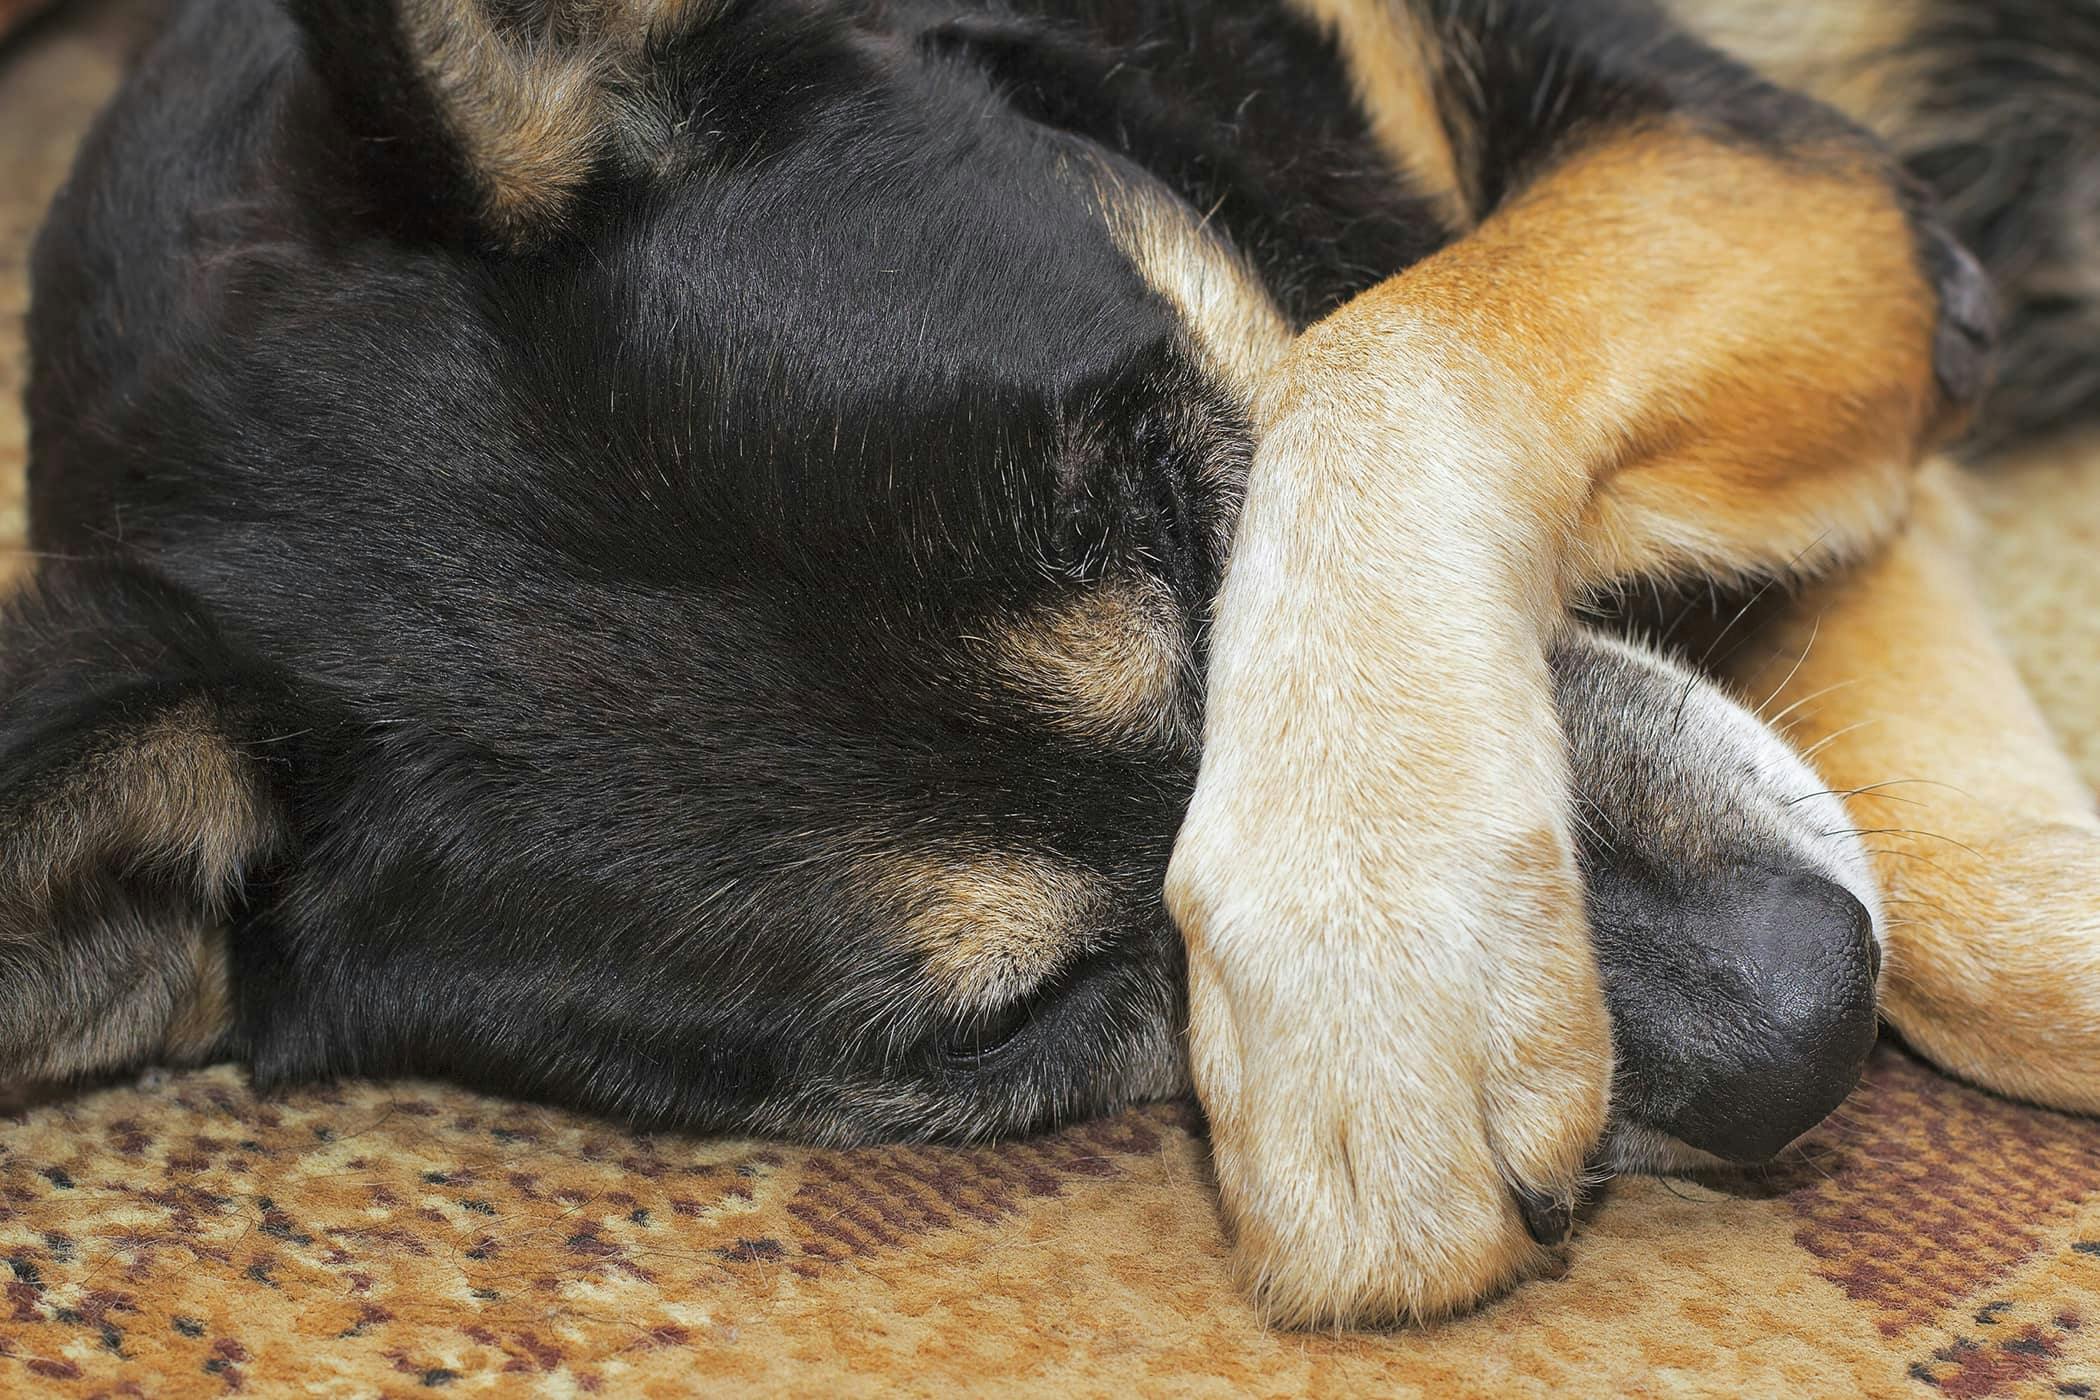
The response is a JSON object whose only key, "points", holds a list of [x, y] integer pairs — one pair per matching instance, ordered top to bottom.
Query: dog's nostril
{"points": [[1791, 962]]}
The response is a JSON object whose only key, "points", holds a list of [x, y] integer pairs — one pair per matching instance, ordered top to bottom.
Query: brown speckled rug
{"points": [[180, 1237]]}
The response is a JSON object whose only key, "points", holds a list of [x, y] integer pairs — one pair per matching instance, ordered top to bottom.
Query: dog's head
{"points": [[684, 527], [646, 553]]}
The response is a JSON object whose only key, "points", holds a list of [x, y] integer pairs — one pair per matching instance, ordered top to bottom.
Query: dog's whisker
{"points": [[1815, 631], [1708, 661], [1779, 721], [1809, 753], [1913, 831], [1899, 853]]}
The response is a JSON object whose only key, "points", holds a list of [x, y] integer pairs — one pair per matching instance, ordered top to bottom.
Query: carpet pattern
{"points": [[179, 1236], [182, 1237]]}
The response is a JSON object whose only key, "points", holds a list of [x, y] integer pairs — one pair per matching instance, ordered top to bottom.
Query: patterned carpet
{"points": [[180, 1237]]}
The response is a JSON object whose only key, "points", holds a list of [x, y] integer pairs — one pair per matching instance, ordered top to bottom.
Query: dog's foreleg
{"points": [[1667, 347]]}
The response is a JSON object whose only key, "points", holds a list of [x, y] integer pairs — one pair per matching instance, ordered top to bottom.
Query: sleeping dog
{"points": [[713, 561]]}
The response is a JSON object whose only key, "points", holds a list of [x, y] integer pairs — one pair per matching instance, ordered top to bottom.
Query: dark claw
{"points": [[1962, 348], [1547, 1219]]}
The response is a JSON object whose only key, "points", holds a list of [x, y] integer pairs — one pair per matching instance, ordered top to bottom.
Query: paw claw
{"points": [[1964, 345], [1549, 1220]]}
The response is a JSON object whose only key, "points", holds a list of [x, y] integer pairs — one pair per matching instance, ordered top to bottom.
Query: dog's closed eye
{"points": [[993, 928], [980, 1039]]}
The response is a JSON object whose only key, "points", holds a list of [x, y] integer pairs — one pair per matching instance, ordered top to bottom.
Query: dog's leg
{"points": [[1669, 346], [132, 813], [1986, 840]]}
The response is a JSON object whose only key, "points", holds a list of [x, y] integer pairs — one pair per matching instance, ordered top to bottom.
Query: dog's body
{"points": [[662, 557]]}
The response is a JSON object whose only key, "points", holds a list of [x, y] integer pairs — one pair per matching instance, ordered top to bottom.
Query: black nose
{"points": [[1790, 969], [1742, 1002]]}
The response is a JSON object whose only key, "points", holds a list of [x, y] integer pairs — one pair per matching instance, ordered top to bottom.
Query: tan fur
{"points": [[629, 23], [1392, 67], [535, 114], [530, 120], [1238, 331], [1759, 430], [1110, 664], [172, 794], [170, 798], [1986, 840], [1988, 844], [1374, 878], [992, 926], [174, 1008], [1394, 1008], [204, 1012]]}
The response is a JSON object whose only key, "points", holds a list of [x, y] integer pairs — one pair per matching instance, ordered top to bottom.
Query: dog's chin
{"points": [[1636, 1149]]}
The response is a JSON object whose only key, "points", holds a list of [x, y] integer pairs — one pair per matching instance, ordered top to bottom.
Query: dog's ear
{"points": [[491, 119], [132, 813]]}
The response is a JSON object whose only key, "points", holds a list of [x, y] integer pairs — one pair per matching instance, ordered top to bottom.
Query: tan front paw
{"points": [[1405, 1064]]}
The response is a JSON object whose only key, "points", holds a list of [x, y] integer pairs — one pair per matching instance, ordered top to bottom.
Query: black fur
{"points": [[1247, 117]]}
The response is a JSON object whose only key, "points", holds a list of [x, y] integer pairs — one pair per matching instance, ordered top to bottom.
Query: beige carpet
{"points": [[181, 1237]]}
